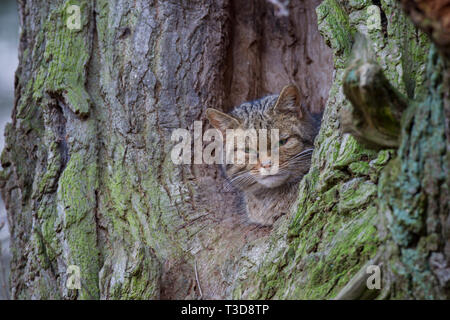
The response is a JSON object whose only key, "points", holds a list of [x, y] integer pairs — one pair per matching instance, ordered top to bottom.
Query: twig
{"points": [[198, 281], [356, 288]]}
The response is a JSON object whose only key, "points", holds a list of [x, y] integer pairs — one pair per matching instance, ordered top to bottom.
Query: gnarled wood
{"points": [[375, 117]]}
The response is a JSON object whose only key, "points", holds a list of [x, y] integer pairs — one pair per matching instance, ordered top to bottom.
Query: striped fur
{"points": [[268, 197]]}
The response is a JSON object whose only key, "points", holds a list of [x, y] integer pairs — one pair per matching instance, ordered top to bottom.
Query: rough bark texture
{"points": [[433, 16], [378, 107], [88, 179], [415, 198]]}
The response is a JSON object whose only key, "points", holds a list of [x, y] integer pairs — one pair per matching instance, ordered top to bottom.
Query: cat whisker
{"points": [[306, 152], [305, 157], [299, 159], [302, 160], [295, 162], [239, 173], [237, 176], [240, 180], [229, 182], [228, 186]]}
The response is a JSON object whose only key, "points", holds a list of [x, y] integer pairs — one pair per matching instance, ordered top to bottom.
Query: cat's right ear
{"points": [[290, 101], [221, 121]]}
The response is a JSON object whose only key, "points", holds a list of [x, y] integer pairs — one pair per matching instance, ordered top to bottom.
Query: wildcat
{"points": [[269, 196]]}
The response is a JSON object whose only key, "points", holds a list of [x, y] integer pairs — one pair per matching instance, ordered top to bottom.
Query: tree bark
{"points": [[378, 107], [88, 180]]}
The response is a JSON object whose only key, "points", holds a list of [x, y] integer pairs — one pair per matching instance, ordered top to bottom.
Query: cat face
{"points": [[297, 130]]}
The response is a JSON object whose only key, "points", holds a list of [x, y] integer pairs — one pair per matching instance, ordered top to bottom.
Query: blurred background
{"points": [[9, 40]]}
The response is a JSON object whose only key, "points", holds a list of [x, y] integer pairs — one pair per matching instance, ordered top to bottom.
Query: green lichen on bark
{"points": [[331, 16], [65, 57], [60, 176], [89, 181], [413, 192], [77, 204], [337, 227]]}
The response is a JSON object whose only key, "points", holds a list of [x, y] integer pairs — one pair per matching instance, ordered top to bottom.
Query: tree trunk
{"points": [[88, 179]]}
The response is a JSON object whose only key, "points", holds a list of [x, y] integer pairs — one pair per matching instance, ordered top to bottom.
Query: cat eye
{"points": [[282, 142]]}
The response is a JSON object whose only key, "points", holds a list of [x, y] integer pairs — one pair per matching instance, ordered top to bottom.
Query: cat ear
{"points": [[289, 101], [221, 121]]}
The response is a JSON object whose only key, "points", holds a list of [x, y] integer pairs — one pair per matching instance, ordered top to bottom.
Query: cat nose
{"points": [[266, 163]]}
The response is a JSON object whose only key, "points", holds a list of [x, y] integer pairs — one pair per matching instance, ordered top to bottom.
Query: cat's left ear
{"points": [[289, 101]]}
